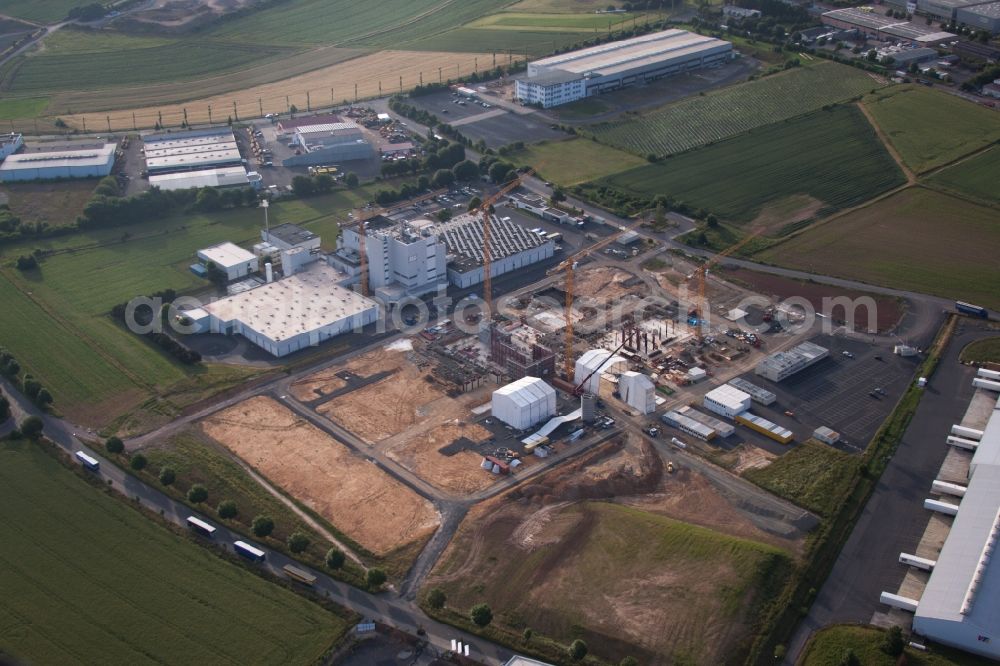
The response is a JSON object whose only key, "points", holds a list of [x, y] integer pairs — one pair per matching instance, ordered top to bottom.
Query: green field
{"points": [[42, 11], [597, 23], [386, 24], [471, 40], [75, 41], [46, 72], [28, 107], [731, 111], [930, 128], [574, 161], [817, 163], [976, 177], [56, 203], [900, 242], [982, 351], [101, 369], [813, 475], [611, 574], [87, 579], [828, 646]]}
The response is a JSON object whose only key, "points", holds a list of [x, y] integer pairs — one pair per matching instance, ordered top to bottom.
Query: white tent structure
{"points": [[594, 363], [637, 391], [524, 403]]}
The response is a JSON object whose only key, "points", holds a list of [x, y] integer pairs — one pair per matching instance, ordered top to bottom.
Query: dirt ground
{"points": [[334, 83], [786, 211], [604, 282], [888, 310], [389, 406], [407, 416], [358, 498], [660, 609]]}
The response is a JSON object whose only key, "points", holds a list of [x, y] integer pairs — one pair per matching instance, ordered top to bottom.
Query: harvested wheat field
{"points": [[374, 75], [357, 497], [541, 554]]}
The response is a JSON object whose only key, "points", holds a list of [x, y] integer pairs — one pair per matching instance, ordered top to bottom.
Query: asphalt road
{"points": [[894, 519], [391, 610]]}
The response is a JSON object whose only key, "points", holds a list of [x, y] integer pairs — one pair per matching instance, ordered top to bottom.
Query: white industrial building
{"points": [[571, 76], [328, 143], [10, 144], [192, 150], [67, 162], [235, 176], [512, 247], [231, 258], [404, 258], [294, 313], [592, 364], [784, 364], [637, 391], [727, 401], [524, 403], [960, 606]]}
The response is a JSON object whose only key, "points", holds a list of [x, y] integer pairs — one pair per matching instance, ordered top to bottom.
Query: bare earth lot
{"points": [[407, 414], [362, 501], [541, 554]]}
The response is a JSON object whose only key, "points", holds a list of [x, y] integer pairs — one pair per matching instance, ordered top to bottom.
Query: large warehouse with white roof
{"points": [[571, 76], [68, 162]]}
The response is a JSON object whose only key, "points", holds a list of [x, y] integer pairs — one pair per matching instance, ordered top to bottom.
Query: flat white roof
{"points": [[614, 57], [326, 128], [197, 138], [207, 147], [99, 156], [194, 159], [221, 177], [226, 255], [304, 302], [727, 395]]}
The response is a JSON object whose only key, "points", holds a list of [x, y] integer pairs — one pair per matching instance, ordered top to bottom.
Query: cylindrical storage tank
{"points": [[269, 272], [988, 374], [588, 403], [968, 433]]}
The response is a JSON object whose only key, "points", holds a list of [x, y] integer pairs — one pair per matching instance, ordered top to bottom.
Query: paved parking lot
{"points": [[477, 122], [837, 391]]}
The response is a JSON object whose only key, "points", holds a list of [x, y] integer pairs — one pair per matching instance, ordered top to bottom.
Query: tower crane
{"points": [[484, 210], [568, 266], [701, 272]]}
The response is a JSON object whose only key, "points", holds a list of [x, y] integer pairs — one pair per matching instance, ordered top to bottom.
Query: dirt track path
{"points": [[911, 178]]}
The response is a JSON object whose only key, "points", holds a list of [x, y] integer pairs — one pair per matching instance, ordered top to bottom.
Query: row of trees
{"points": [[464, 171], [31, 387], [4, 408], [262, 525]]}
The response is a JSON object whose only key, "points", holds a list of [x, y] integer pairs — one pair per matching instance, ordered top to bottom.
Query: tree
{"points": [[872, 56], [466, 170], [500, 170], [443, 178], [351, 180], [323, 183], [303, 186], [558, 195], [474, 203], [443, 215], [712, 221], [26, 262], [31, 387], [44, 398], [4, 408], [31, 427], [114, 445], [137, 462], [167, 476], [197, 493], [227, 509], [262, 526], [297, 542], [335, 558], [375, 578], [436, 598], [481, 615], [527, 634], [893, 643], [577, 650], [850, 658], [628, 661]]}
